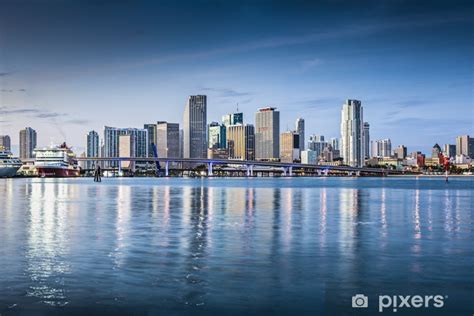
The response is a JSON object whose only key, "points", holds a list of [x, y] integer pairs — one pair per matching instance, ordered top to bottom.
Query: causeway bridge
{"points": [[248, 166]]}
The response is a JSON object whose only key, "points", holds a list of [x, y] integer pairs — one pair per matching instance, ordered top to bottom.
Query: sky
{"points": [[68, 67]]}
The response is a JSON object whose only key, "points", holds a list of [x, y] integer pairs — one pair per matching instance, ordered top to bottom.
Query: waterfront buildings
{"points": [[194, 127], [151, 128], [299, 128], [267, 134], [217, 135], [352, 138], [139, 139], [366, 140], [241, 141], [5, 142], [27, 143], [167, 143], [335, 143], [317, 144], [289, 146], [465, 146], [92, 148], [381, 148], [127, 149], [449, 150], [400, 152], [217, 153], [309, 157]]}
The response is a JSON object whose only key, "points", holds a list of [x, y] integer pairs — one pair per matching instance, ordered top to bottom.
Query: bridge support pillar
{"points": [[119, 168], [167, 169], [209, 170], [248, 170], [251, 170], [284, 171], [290, 171], [319, 172], [326, 172], [349, 173], [358, 173]]}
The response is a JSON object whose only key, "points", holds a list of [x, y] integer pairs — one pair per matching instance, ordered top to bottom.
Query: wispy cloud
{"points": [[310, 63], [4, 74], [12, 90], [226, 92], [78, 121]]}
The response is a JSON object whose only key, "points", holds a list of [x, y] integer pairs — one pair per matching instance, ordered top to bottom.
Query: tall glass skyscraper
{"points": [[195, 127], [299, 128], [352, 130], [267, 134], [139, 139], [366, 140], [27, 142], [92, 148]]}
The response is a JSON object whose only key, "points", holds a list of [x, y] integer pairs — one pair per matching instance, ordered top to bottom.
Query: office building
{"points": [[233, 119], [195, 127], [299, 128], [151, 129], [267, 134], [217, 135], [139, 139], [366, 140], [334, 141], [352, 141], [5, 142], [241, 142], [27, 143], [167, 144], [317, 144], [465, 146], [289, 147], [92, 148], [381, 148], [449, 150], [436, 151], [400, 152], [309, 157]]}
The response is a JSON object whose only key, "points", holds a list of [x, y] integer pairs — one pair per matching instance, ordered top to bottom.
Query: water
{"points": [[300, 246]]}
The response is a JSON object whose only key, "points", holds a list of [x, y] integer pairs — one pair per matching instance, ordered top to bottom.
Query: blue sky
{"points": [[67, 67]]}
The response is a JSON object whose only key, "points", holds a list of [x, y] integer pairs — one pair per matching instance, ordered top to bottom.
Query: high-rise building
{"points": [[233, 119], [195, 127], [151, 128], [299, 128], [267, 134], [167, 135], [217, 135], [139, 139], [366, 140], [241, 141], [5, 142], [27, 142], [352, 142], [335, 143], [317, 144], [465, 146], [289, 147], [92, 148], [381, 148], [127, 149], [449, 150], [435, 151], [400, 152], [309, 157]]}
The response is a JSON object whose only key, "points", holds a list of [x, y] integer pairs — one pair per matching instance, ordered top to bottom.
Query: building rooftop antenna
{"points": [[237, 107]]}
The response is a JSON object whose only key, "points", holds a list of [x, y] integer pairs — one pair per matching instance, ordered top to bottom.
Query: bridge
{"points": [[249, 166]]}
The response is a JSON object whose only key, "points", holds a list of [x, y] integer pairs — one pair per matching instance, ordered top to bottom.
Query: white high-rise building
{"points": [[195, 127], [299, 128], [352, 133], [267, 134], [139, 139], [92, 148], [381, 148]]}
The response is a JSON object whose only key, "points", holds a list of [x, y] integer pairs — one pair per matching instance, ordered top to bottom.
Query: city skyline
{"points": [[407, 63]]}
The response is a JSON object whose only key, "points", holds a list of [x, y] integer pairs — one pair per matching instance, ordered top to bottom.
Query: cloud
{"points": [[310, 63], [4, 74], [12, 90], [22, 90], [226, 92], [11, 111], [49, 115], [78, 121]]}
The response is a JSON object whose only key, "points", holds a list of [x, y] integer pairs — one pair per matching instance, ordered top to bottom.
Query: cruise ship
{"points": [[56, 161], [8, 164]]}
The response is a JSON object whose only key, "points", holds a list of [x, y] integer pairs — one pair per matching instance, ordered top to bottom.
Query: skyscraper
{"points": [[233, 119], [194, 127], [151, 128], [299, 128], [267, 134], [167, 135], [217, 135], [139, 139], [366, 140], [5, 142], [27, 142], [241, 142], [352, 142], [335, 143], [317, 144], [289, 146], [465, 146], [92, 148], [381, 148], [449, 150], [435, 151], [400, 152]]}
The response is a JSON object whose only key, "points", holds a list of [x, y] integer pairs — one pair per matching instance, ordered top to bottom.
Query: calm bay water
{"points": [[295, 246]]}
